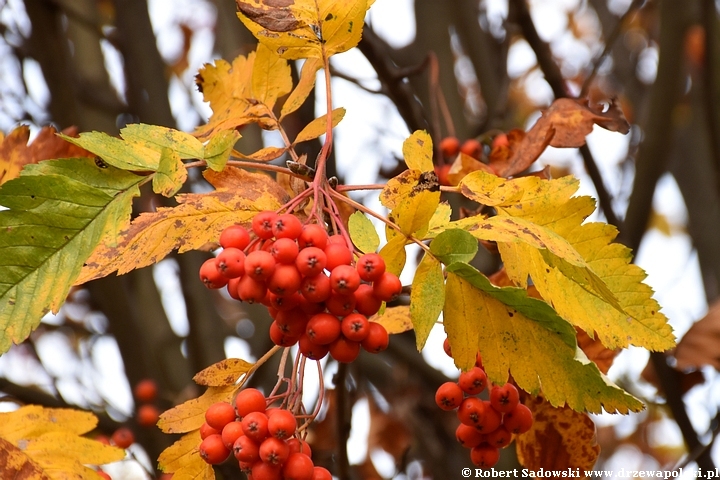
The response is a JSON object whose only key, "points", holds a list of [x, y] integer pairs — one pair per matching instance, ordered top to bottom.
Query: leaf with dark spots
{"points": [[275, 18]]}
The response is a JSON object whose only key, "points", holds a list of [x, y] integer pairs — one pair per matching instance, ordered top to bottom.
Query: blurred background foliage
{"points": [[489, 66]]}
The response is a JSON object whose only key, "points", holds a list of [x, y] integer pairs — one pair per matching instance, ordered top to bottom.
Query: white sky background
{"points": [[372, 132]]}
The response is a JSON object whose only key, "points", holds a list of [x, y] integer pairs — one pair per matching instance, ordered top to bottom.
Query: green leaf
{"points": [[157, 138], [219, 148], [418, 151], [126, 155], [171, 174], [52, 225], [363, 233], [454, 245], [426, 298], [538, 359]]}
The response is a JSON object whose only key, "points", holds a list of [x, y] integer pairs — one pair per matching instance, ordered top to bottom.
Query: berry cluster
{"points": [[317, 295], [486, 426], [265, 441]]}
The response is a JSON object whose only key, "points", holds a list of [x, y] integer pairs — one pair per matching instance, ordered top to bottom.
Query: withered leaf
{"points": [[271, 14], [701, 344]]}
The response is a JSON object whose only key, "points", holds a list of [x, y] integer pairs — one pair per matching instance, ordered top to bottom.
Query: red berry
{"points": [[500, 140], [449, 146], [472, 148], [262, 224], [287, 225], [313, 235], [235, 236], [337, 239], [285, 250], [337, 254], [311, 261], [231, 262], [259, 265], [370, 267], [210, 275], [344, 279], [285, 280], [387, 287], [316, 289], [250, 290], [365, 302], [340, 304], [292, 322], [355, 327], [323, 328], [280, 337], [377, 339], [446, 348], [310, 349], [344, 350], [473, 381], [146, 390], [448, 396], [504, 399], [249, 400], [471, 411], [219, 414], [147, 415], [519, 420], [490, 421], [282, 424], [255, 426], [206, 430], [230, 433], [468, 436], [122, 437], [500, 438], [297, 445], [246, 450], [274, 451], [485, 456], [298, 467], [265, 471], [321, 473]]}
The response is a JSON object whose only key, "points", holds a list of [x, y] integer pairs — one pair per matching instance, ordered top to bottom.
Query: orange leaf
{"points": [[565, 123], [15, 153], [263, 155], [463, 165], [197, 221], [700, 345], [596, 351], [223, 373], [190, 415], [560, 439], [15, 464]]}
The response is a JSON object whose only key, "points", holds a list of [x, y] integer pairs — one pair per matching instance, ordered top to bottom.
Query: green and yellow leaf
{"points": [[156, 138], [218, 149], [418, 151], [171, 174], [58, 212], [363, 233], [454, 245], [394, 254], [426, 298], [535, 350]]}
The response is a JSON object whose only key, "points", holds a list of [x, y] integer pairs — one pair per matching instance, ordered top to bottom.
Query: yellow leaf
{"points": [[305, 28], [271, 76], [305, 85], [319, 126], [156, 137], [418, 151], [123, 154], [264, 154], [171, 174], [399, 187], [492, 190], [549, 205], [413, 213], [197, 220], [439, 221], [363, 233], [394, 254], [426, 298], [394, 319], [538, 358], [224, 373], [190, 415], [33, 420], [559, 439], [50, 446], [182, 458], [14, 463]]}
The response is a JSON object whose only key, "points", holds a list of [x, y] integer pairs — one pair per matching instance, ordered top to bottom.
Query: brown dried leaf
{"points": [[271, 14], [565, 123], [15, 152], [463, 165], [701, 344], [596, 351], [223, 373], [687, 380], [388, 433], [559, 439], [14, 463]]}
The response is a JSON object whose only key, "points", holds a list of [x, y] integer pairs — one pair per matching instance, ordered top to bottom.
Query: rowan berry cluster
{"points": [[319, 296], [486, 426], [265, 441]]}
